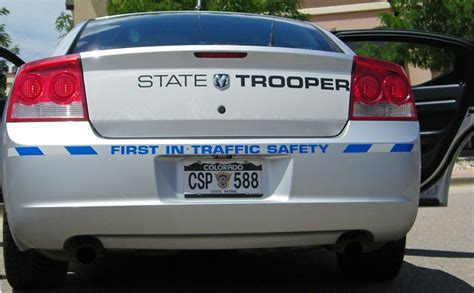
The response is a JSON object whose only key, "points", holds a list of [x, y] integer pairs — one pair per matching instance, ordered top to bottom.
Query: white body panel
{"points": [[177, 98], [120, 176], [137, 201]]}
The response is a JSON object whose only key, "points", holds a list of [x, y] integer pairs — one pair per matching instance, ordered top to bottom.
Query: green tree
{"points": [[287, 8], [451, 17], [64, 24], [5, 42]]}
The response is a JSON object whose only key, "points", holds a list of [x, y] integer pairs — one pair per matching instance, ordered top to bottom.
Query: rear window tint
{"points": [[199, 29]]}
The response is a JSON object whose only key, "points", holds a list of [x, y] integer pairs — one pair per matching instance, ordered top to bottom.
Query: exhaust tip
{"points": [[354, 242], [353, 248], [84, 249], [86, 254]]}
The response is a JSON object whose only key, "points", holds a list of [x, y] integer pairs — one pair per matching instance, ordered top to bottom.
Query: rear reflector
{"points": [[228, 55], [48, 90], [380, 91]]}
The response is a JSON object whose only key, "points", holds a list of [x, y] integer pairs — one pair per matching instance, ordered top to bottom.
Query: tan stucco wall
{"points": [[323, 3], [86, 9], [345, 14], [344, 21], [417, 75], [10, 78]]}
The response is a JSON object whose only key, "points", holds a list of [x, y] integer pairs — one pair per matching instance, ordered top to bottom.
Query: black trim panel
{"points": [[409, 36], [438, 92], [429, 202]]}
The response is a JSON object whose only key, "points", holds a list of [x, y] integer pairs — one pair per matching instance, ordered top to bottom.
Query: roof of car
{"points": [[204, 13]]}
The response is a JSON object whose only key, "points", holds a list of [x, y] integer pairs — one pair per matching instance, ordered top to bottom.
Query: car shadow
{"points": [[438, 253], [223, 271]]}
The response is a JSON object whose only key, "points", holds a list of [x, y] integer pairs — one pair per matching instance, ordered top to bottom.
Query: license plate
{"points": [[222, 178]]}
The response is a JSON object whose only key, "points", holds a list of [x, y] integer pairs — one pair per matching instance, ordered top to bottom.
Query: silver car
{"points": [[201, 130]]}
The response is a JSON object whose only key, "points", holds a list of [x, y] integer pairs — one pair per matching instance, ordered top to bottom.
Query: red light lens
{"points": [[224, 55], [64, 86], [31, 88], [49, 89], [367, 89], [396, 89], [380, 91]]}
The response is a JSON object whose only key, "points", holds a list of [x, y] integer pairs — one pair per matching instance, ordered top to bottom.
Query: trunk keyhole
{"points": [[221, 109]]}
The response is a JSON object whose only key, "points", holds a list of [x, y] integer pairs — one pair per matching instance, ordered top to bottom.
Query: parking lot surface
{"points": [[439, 258]]}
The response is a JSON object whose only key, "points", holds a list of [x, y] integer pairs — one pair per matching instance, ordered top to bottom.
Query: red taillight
{"points": [[223, 55], [63, 86], [31, 88], [367, 89], [396, 89], [48, 90], [380, 91]]}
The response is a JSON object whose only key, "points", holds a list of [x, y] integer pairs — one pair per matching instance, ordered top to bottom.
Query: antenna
{"points": [[198, 5]]}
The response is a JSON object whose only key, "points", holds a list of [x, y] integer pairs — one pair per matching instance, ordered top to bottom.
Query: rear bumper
{"points": [[367, 178], [213, 226]]}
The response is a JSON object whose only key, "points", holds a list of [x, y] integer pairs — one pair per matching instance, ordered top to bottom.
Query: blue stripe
{"points": [[357, 148], [402, 148], [80, 150], [29, 151]]}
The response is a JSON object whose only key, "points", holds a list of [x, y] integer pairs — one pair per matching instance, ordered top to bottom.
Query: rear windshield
{"points": [[199, 29]]}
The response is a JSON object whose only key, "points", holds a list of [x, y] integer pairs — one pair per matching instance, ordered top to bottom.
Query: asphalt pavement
{"points": [[439, 258]]}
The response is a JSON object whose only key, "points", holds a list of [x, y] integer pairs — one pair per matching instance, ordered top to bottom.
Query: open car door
{"points": [[10, 56], [7, 58], [445, 103]]}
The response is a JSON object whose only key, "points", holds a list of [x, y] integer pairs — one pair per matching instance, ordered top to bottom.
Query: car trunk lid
{"points": [[188, 91]]}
